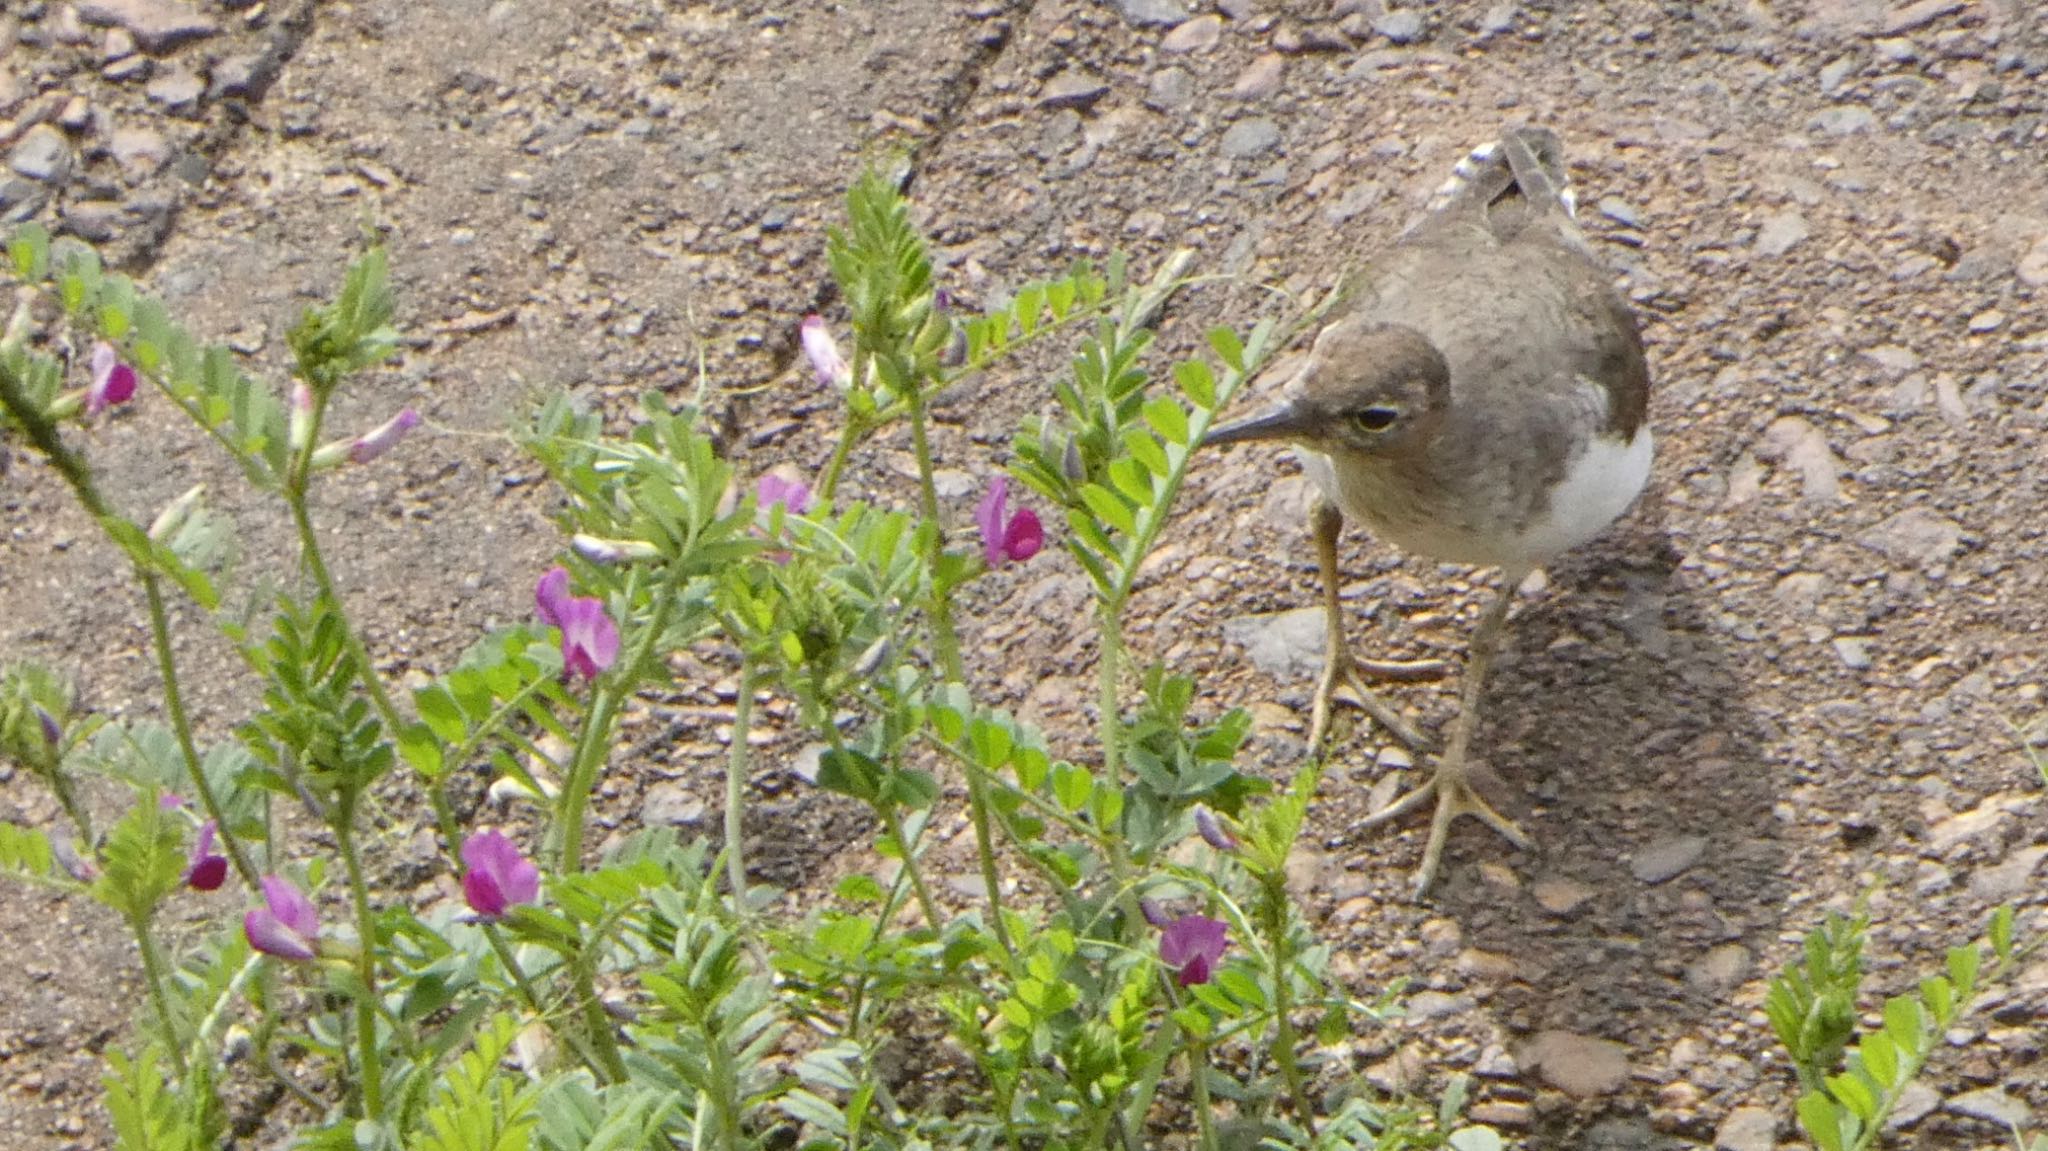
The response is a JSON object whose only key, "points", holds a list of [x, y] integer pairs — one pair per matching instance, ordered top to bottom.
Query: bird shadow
{"points": [[1619, 727]]}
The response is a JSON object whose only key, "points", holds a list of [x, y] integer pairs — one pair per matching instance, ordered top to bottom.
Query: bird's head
{"points": [[1365, 390]]}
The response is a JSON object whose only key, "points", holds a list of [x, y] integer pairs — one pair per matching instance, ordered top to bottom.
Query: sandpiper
{"points": [[1479, 399]]}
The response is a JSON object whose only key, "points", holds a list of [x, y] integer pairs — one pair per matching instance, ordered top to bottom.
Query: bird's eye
{"points": [[1376, 419]]}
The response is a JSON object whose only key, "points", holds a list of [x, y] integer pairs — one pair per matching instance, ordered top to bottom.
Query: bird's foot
{"points": [[1341, 681], [1454, 797]]}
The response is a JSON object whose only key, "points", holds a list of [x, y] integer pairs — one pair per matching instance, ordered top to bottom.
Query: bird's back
{"points": [[1546, 366]]}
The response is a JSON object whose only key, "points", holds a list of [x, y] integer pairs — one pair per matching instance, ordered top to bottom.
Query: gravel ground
{"points": [[1788, 675]]}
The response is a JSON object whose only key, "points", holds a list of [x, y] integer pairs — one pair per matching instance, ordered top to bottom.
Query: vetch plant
{"points": [[656, 993]]}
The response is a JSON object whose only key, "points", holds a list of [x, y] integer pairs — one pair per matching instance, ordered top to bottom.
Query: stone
{"points": [[1152, 13], [1913, 17], [1499, 19], [157, 25], [1402, 27], [1197, 35], [244, 76], [1261, 79], [178, 90], [1072, 90], [1171, 90], [1843, 120], [1248, 138], [141, 152], [42, 154], [1619, 211], [95, 221], [1780, 233], [2033, 267], [1986, 321], [1893, 358], [1794, 441], [1915, 536], [1282, 644], [1853, 651], [670, 804], [1667, 858], [2010, 879], [1559, 896], [1721, 969], [1579, 1065], [1915, 1103], [1993, 1105], [1747, 1129]]}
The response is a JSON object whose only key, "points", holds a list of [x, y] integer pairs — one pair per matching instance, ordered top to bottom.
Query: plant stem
{"points": [[43, 434], [849, 435], [309, 551], [947, 644], [181, 724], [597, 724], [736, 788], [153, 972], [1284, 1039], [370, 1063], [1198, 1081]]}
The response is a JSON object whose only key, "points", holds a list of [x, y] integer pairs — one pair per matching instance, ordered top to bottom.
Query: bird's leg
{"points": [[1340, 668], [1451, 783]]}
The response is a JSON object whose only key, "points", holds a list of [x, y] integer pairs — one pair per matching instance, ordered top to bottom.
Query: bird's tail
{"points": [[1528, 161]]}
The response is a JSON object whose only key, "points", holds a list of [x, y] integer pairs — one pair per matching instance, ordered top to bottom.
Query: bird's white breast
{"points": [[1600, 483]]}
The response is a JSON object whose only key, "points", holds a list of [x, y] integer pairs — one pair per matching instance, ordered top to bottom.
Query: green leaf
{"points": [[1228, 347], [1197, 381], [1168, 419], [1146, 450], [1131, 478], [1108, 508], [990, 742], [850, 772], [1072, 785], [911, 788], [1963, 964], [1940, 997], [1905, 1022], [1880, 1058], [1854, 1092], [1822, 1120]]}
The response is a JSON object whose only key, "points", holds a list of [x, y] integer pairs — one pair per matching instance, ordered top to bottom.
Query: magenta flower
{"points": [[823, 352], [113, 382], [383, 437], [794, 495], [1005, 537], [590, 641], [206, 871], [498, 875], [287, 926], [1191, 945]]}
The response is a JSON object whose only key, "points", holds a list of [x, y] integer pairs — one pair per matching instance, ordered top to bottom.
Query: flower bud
{"points": [[174, 515]]}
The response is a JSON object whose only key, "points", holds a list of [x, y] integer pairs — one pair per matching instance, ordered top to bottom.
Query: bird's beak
{"points": [[1283, 421]]}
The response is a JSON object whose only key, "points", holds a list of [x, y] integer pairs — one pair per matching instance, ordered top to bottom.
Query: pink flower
{"points": [[823, 352], [113, 382], [383, 437], [793, 495], [1006, 537], [590, 641], [206, 871], [498, 876], [287, 926], [1191, 945]]}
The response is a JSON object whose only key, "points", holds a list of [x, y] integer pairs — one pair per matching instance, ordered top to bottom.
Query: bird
{"points": [[1479, 397]]}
